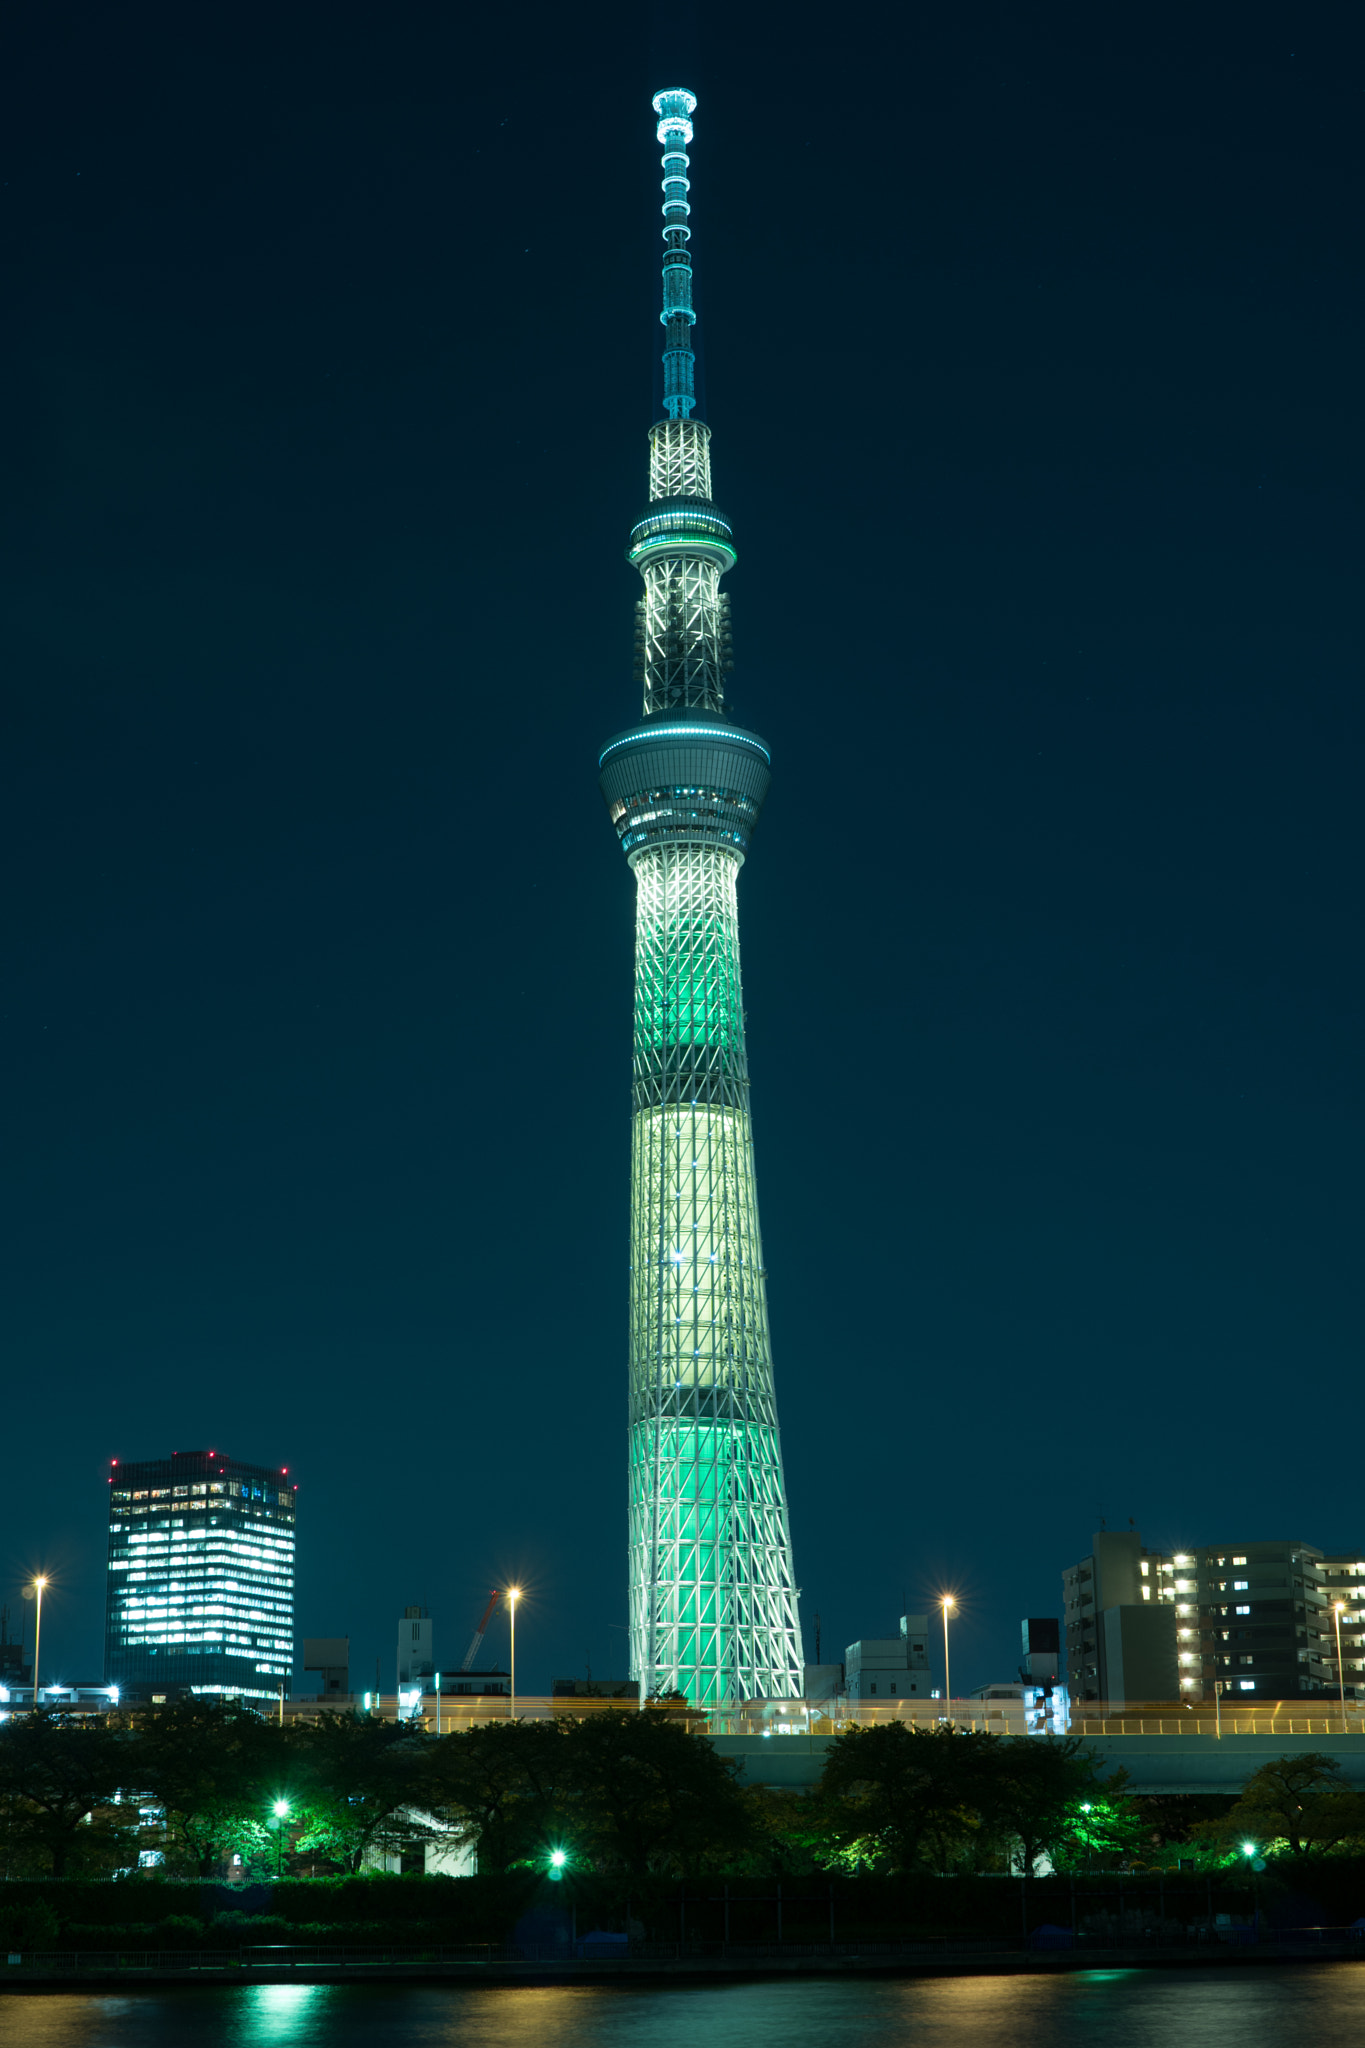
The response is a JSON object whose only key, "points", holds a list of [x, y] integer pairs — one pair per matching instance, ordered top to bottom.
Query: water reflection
{"points": [[1322, 2003], [280, 2015]]}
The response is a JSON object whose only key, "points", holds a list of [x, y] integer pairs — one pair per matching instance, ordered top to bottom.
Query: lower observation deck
{"points": [[685, 781]]}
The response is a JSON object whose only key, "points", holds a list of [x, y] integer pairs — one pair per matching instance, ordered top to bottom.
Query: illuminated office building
{"points": [[201, 1578], [712, 1597]]}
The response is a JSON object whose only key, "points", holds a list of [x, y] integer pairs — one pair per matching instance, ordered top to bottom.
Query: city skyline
{"points": [[1037, 400]]}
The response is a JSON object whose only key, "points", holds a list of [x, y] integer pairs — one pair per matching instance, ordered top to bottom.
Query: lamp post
{"points": [[35, 1592], [513, 1595], [948, 1604], [1338, 1608], [438, 1703], [1218, 1710], [281, 1813], [1255, 1864]]}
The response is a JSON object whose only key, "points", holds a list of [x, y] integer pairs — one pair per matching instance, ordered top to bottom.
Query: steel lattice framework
{"points": [[713, 1604]]}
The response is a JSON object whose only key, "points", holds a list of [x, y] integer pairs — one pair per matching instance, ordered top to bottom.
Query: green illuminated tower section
{"points": [[712, 1598]]}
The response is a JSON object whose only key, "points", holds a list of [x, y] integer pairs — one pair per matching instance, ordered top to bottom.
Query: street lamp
{"points": [[35, 1592], [513, 1595], [948, 1604], [1338, 1609], [281, 1812], [557, 1861]]}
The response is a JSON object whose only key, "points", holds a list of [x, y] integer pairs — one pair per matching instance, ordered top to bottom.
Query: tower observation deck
{"points": [[713, 1609]]}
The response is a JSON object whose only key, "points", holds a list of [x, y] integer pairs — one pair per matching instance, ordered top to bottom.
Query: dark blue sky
{"points": [[1032, 341]]}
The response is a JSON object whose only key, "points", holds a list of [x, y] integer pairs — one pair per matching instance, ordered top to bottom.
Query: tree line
{"points": [[202, 1787]]}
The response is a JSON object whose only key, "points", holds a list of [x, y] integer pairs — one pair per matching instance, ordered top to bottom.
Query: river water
{"points": [[1306, 2005]]}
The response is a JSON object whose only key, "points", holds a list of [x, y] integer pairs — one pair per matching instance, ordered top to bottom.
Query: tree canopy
{"points": [[905, 1797], [1294, 1802]]}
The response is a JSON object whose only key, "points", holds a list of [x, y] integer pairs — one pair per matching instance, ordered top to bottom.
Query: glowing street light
{"points": [[35, 1592], [513, 1595], [948, 1605], [1338, 1609], [280, 1811], [1249, 1848], [557, 1861]]}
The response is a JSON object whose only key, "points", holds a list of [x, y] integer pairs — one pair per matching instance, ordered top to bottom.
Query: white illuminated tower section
{"points": [[712, 1597]]}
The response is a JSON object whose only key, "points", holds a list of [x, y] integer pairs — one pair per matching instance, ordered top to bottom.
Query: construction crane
{"points": [[472, 1652]]}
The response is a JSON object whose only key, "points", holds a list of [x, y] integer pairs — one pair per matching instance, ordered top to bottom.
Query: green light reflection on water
{"points": [[277, 2012]]}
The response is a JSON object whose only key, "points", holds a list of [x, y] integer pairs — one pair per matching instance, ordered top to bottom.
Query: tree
{"points": [[212, 1765], [60, 1778], [359, 1784], [510, 1784], [1034, 1787], [628, 1792], [909, 1796], [652, 1797], [1295, 1801], [1105, 1825], [792, 1831]]}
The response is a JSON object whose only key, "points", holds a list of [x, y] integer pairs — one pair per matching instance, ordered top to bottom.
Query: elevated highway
{"points": [[1159, 1753]]}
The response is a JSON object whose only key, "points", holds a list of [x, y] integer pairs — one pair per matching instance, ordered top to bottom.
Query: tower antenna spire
{"points": [[675, 110]]}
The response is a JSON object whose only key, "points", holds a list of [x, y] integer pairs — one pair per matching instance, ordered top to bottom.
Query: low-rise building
{"points": [[416, 1653], [328, 1658], [890, 1667], [822, 1685], [595, 1689]]}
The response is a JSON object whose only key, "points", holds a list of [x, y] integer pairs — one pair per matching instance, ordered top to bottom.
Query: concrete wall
{"points": [[1139, 1661]]}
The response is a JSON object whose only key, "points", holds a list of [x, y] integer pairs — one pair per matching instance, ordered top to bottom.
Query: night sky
{"points": [[1031, 340]]}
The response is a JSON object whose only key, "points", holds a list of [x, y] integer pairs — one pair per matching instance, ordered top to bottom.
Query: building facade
{"points": [[1343, 1589], [200, 1593], [713, 1601], [1261, 1617], [1256, 1618], [1120, 1621], [416, 1649], [328, 1658], [890, 1667]]}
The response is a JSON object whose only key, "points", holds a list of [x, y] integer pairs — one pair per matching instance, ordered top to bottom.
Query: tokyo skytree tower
{"points": [[712, 1598]]}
